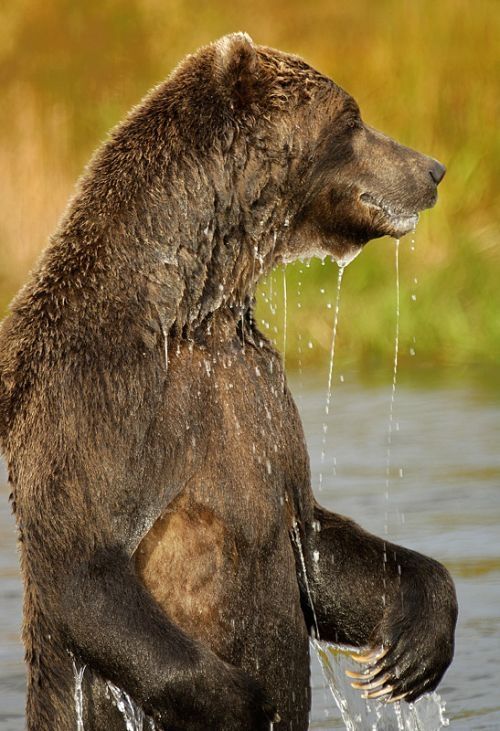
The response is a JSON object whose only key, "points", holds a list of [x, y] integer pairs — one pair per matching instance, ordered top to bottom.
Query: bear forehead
{"points": [[286, 71]]}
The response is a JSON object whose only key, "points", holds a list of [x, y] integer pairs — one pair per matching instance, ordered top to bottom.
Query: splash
{"points": [[78, 673], [426, 714], [133, 716]]}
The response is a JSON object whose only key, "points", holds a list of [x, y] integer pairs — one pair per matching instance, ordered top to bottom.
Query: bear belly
{"points": [[187, 561], [230, 593]]}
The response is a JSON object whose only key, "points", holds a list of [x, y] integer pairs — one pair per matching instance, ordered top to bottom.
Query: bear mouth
{"points": [[399, 223]]}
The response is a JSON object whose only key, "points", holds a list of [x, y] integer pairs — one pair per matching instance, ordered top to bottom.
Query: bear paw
{"points": [[413, 645]]}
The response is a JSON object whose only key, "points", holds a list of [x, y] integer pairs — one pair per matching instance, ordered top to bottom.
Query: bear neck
{"points": [[179, 213], [189, 234]]}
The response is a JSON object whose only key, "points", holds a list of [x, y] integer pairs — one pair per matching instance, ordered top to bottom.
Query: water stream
{"points": [[285, 310], [328, 399], [390, 425], [298, 545]]}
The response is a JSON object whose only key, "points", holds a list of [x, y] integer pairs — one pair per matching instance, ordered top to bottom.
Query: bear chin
{"points": [[392, 222]]}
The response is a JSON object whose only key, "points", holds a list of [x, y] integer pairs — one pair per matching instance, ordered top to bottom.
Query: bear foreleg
{"points": [[396, 604]]}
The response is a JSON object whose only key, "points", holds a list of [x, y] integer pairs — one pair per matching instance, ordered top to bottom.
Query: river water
{"points": [[443, 499]]}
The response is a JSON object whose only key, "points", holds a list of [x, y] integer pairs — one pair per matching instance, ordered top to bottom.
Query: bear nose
{"points": [[437, 171]]}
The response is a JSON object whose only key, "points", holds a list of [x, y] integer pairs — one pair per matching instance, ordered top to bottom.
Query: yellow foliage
{"points": [[425, 72]]}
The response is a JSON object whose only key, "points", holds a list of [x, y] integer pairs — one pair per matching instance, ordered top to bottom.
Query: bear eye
{"points": [[354, 123]]}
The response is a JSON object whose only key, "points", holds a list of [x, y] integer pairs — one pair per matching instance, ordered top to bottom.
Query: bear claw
{"points": [[370, 657], [365, 675], [373, 685], [379, 693]]}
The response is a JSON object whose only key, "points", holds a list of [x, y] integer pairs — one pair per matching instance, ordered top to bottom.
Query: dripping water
{"points": [[341, 267], [285, 310], [299, 336], [390, 425], [300, 550], [428, 713]]}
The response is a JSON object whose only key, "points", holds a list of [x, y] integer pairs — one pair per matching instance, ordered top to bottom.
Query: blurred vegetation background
{"points": [[424, 72]]}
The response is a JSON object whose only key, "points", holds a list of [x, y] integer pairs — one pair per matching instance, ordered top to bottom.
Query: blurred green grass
{"points": [[424, 72]]}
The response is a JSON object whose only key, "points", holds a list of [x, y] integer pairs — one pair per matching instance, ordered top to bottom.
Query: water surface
{"points": [[445, 502]]}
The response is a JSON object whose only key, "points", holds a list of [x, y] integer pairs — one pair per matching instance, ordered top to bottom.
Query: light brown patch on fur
{"points": [[183, 561]]}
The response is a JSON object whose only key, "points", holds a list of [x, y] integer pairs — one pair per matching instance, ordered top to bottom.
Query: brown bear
{"points": [[157, 461]]}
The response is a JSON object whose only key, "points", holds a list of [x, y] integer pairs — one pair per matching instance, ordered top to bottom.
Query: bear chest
{"points": [[245, 454], [227, 533]]}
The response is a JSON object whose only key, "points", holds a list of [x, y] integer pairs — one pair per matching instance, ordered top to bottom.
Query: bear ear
{"points": [[237, 67]]}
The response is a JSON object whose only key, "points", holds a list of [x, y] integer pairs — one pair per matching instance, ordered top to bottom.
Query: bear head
{"points": [[243, 158], [343, 183]]}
